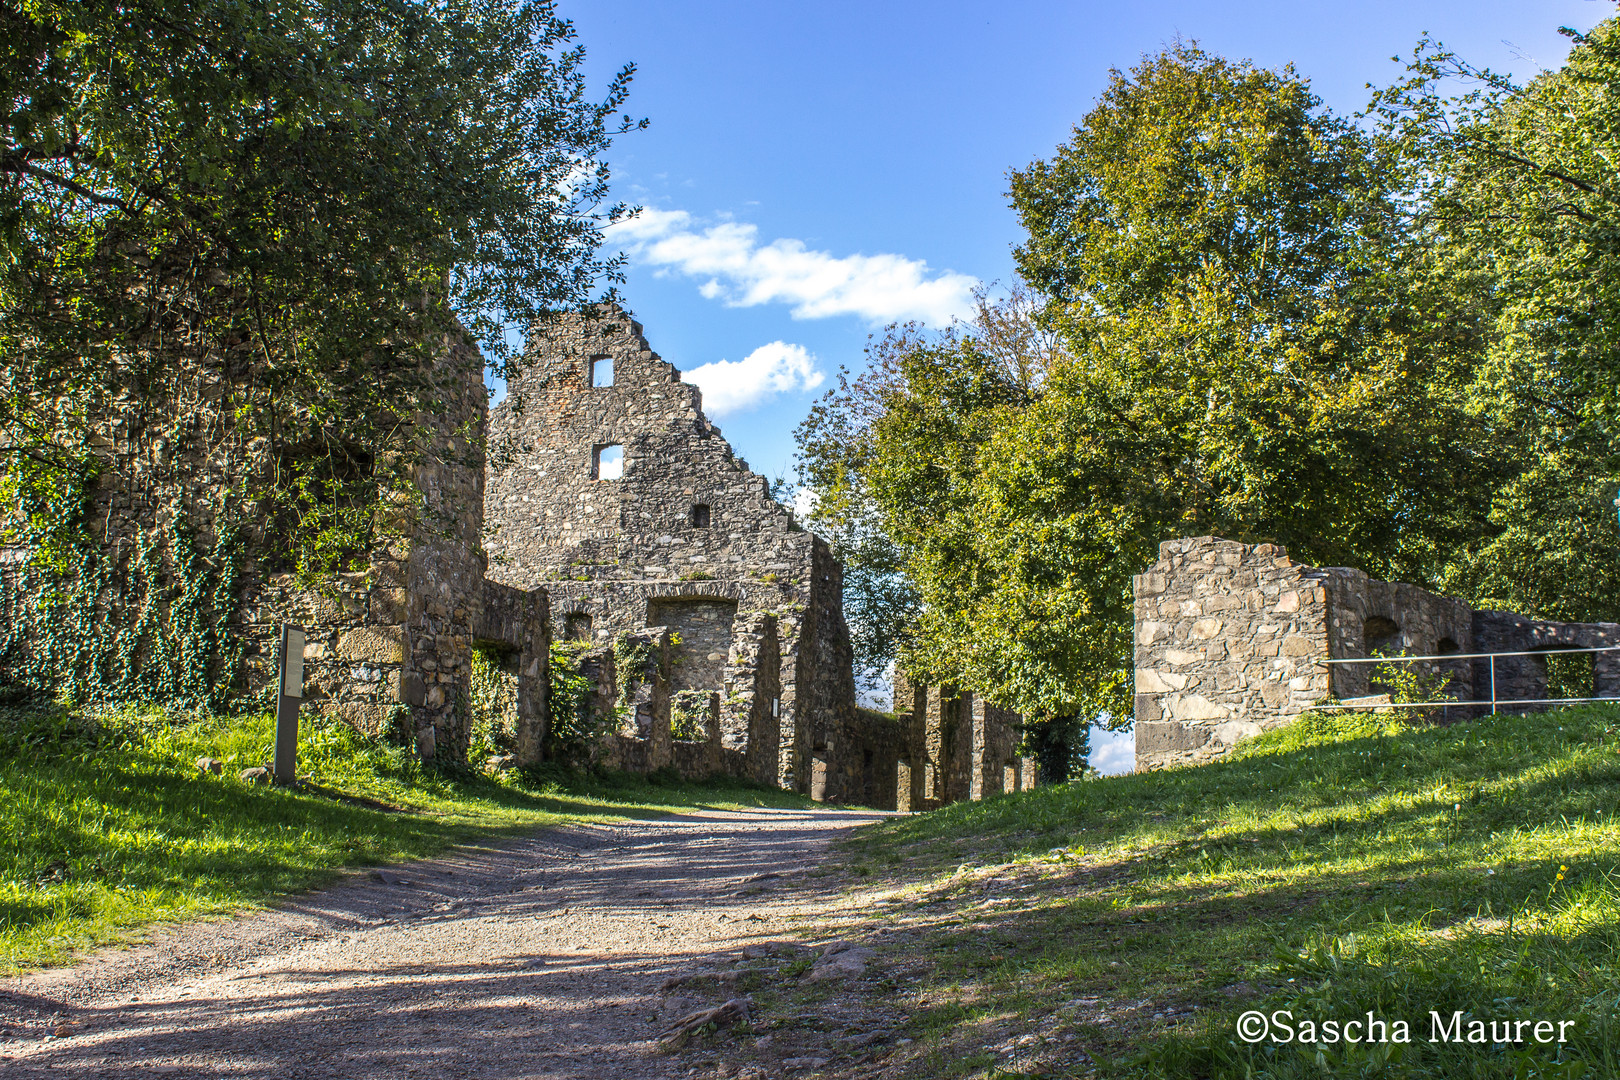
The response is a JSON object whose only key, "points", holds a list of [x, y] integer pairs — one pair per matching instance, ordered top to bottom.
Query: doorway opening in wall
{"points": [[601, 371], [607, 462], [700, 516], [577, 626], [493, 701]]}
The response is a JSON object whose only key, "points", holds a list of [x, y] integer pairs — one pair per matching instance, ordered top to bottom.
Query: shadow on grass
{"points": [[102, 836], [1468, 868]]}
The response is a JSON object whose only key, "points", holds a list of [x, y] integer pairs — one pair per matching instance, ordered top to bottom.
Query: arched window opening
{"points": [[1381, 635]]}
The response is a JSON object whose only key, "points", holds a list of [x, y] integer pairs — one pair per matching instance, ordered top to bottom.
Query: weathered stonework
{"points": [[686, 538], [726, 616], [1230, 640], [390, 644], [958, 746]]}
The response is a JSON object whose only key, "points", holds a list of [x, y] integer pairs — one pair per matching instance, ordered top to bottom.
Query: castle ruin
{"points": [[610, 489], [595, 504]]}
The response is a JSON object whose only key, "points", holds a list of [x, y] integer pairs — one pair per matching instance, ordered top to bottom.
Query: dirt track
{"points": [[537, 958]]}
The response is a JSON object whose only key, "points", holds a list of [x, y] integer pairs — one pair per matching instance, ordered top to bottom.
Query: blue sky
{"points": [[816, 170]]}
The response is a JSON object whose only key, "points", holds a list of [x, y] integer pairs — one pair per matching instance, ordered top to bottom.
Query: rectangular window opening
{"points": [[601, 371], [608, 462]]}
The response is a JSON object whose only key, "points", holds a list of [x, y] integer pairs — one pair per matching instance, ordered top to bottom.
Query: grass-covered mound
{"points": [[107, 826], [1329, 869]]}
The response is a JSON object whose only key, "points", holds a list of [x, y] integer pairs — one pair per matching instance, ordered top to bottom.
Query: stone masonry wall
{"points": [[687, 536], [1227, 636], [1231, 639], [958, 747]]}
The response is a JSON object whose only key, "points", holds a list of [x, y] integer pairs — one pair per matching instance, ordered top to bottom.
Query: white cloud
{"points": [[738, 269], [734, 385], [1113, 752]]}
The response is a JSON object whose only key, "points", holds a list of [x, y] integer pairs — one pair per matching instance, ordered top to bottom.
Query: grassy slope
{"points": [[105, 833], [1328, 868]]}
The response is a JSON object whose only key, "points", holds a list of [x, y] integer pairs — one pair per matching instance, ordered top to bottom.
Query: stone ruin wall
{"points": [[687, 539], [737, 609], [395, 638], [1230, 640], [958, 747]]}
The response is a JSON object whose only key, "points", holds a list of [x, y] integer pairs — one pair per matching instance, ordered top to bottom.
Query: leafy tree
{"points": [[299, 205], [1520, 207], [1238, 350]]}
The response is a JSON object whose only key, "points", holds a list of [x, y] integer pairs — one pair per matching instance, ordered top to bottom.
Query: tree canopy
{"points": [[309, 197], [1517, 203], [1242, 338]]}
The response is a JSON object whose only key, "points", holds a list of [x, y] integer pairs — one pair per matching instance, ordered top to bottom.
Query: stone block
{"points": [[1204, 629], [1149, 632], [378, 644], [1295, 645], [1151, 681], [1195, 707], [1155, 740]]}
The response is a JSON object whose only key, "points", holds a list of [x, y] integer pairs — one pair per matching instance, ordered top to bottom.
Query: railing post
{"points": [[1493, 684]]}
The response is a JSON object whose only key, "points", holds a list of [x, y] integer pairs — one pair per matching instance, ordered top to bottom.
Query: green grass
{"points": [[107, 827], [1331, 868]]}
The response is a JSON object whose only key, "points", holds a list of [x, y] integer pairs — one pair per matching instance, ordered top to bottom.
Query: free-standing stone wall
{"points": [[1230, 641]]}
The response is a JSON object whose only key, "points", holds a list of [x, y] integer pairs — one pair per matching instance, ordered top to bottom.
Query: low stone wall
{"points": [[1231, 638]]}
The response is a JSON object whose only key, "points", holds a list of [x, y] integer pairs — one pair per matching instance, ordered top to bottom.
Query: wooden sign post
{"points": [[290, 668]]}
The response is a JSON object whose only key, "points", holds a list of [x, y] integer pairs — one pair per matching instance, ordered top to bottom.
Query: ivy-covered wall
{"points": [[156, 562]]}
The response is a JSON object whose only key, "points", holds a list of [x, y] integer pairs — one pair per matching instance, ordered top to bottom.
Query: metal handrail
{"points": [[1467, 655], [1494, 702]]}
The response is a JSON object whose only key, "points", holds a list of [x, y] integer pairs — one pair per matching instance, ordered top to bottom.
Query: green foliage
{"points": [[1518, 210], [262, 234], [1226, 342], [103, 626], [630, 660], [1410, 683], [493, 703], [689, 715], [576, 727], [1338, 865]]}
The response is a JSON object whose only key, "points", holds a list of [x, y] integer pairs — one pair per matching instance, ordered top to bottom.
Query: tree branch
{"points": [[26, 168]]}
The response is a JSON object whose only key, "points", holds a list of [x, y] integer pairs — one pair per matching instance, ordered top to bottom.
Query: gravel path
{"points": [[539, 958]]}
